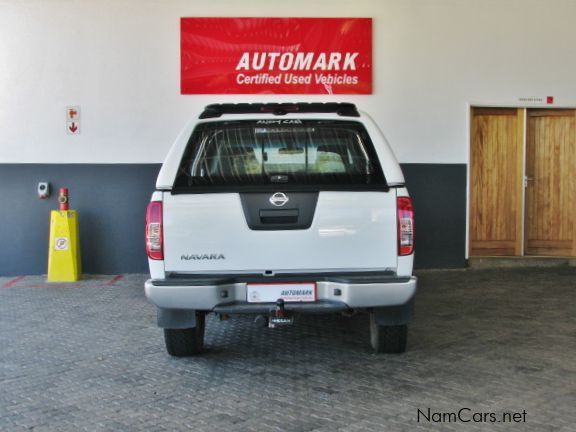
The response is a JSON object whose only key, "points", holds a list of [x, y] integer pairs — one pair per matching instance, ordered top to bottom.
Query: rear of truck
{"points": [[277, 210]]}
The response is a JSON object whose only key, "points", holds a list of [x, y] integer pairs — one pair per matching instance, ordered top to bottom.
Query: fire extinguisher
{"points": [[63, 199]]}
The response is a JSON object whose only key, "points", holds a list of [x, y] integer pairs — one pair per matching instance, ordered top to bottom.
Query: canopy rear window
{"points": [[286, 152]]}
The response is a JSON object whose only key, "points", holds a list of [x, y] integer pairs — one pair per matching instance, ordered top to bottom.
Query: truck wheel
{"points": [[388, 339], [186, 342]]}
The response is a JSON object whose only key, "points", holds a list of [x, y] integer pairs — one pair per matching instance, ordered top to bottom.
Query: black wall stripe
{"points": [[439, 194], [111, 200]]}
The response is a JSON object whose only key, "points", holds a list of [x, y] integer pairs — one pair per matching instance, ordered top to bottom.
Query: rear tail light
{"points": [[405, 226], [154, 235]]}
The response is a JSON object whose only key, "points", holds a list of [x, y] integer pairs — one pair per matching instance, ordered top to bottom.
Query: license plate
{"points": [[289, 292]]}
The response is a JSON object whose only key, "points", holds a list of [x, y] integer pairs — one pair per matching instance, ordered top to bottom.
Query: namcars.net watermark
{"points": [[469, 415]]}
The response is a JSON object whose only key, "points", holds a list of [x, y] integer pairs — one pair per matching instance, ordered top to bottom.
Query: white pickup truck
{"points": [[277, 210]]}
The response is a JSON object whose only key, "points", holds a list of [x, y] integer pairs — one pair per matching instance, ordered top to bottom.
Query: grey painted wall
{"points": [[439, 193], [111, 200]]}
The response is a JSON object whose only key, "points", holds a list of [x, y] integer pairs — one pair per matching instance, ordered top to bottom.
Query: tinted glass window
{"points": [[272, 152]]}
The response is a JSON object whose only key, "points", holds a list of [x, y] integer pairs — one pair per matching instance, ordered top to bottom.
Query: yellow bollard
{"points": [[64, 248]]}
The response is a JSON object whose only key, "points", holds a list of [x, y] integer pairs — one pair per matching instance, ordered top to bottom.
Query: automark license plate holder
{"points": [[290, 292]]}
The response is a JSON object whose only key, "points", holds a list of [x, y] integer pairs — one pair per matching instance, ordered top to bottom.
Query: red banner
{"points": [[276, 55]]}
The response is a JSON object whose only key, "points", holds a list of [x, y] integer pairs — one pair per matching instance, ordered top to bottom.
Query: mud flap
{"points": [[395, 315], [176, 318]]}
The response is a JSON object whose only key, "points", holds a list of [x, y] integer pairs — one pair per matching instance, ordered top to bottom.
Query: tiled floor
{"points": [[88, 356]]}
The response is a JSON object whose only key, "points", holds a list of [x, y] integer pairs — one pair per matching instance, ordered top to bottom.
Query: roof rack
{"points": [[342, 109]]}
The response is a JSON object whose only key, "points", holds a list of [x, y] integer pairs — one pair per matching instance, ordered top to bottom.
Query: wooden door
{"points": [[551, 185], [496, 189]]}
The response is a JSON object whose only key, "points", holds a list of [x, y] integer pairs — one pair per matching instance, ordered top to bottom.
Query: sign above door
{"points": [[276, 55]]}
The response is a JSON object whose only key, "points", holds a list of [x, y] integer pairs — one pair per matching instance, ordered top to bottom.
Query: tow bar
{"points": [[279, 316]]}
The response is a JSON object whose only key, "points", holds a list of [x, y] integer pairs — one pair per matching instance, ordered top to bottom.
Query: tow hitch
{"points": [[279, 316]]}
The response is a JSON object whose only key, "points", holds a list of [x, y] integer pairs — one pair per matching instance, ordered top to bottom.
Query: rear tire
{"points": [[388, 339], [186, 342]]}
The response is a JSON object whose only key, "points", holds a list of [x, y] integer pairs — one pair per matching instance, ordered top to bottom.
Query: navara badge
{"points": [[278, 199]]}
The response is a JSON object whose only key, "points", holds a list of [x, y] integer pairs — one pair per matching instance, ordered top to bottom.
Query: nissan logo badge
{"points": [[278, 199]]}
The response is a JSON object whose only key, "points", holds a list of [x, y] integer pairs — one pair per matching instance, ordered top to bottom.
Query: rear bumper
{"points": [[334, 293]]}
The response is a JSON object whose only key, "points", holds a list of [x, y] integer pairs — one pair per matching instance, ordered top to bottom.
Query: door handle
{"points": [[527, 179], [288, 216]]}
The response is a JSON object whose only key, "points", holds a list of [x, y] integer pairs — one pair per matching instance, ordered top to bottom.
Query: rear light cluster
{"points": [[405, 226], [154, 235]]}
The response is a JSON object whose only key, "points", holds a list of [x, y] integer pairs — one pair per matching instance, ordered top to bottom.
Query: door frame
{"points": [[469, 113]]}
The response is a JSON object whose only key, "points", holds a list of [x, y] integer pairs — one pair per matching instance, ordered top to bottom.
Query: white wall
{"points": [[119, 60]]}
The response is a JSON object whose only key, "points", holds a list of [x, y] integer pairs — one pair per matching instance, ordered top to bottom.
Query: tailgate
{"points": [[234, 232]]}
